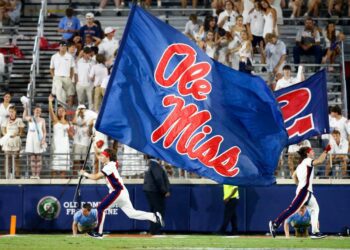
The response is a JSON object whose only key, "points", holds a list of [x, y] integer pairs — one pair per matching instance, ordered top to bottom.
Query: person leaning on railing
{"points": [[339, 153]]}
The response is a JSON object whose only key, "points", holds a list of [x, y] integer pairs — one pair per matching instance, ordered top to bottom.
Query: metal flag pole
{"points": [[77, 189]]}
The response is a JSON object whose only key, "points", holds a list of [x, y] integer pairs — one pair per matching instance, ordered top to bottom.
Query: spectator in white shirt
{"points": [[248, 5], [270, 17], [227, 18], [192, 27], [255, 27], [236, 42], [308, 42], [108, 45], [209, 45], [72, 50], [94, 52], [222, 52], [245, 53], [276, 55], [62, 70], [98, 72], [287, 79], [105, 81], [84, 84], [5, 106], [339, 122], [12, 129], [81, 137], [339, 151], [293, 156]]}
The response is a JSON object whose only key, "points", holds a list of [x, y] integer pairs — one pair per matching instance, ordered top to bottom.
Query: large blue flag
{"points": [[168, 99], [305, 108]]}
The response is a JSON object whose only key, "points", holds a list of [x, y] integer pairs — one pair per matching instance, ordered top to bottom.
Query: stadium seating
{"points": [[18, 75]]}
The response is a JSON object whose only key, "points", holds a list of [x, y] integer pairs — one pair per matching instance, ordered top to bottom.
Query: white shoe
{"points": [[159, 219]]}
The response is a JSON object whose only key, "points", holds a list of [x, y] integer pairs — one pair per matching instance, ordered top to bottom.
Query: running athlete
{"points": [[303, 177], [118, 194]]}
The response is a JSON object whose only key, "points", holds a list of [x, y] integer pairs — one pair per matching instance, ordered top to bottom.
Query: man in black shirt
{"points": [[156, 187]]}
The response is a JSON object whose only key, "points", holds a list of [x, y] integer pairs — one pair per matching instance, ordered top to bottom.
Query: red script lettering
{"points": [[188, 74], [294, 103], [182, 124]]}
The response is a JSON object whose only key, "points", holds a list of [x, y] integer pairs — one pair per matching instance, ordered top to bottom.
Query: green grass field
{"points": [[52, 242]]}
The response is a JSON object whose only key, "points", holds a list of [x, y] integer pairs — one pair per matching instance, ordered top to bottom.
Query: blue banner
{"points": [[168, 99], [305, 108]]}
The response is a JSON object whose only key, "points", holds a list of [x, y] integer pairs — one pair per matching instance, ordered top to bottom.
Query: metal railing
{"points": [[35, 68], [344, 90], [58, 166], [132, 166], [332, 168]]}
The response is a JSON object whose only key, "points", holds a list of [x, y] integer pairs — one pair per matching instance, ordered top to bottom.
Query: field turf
{"points": [[130, 241]]}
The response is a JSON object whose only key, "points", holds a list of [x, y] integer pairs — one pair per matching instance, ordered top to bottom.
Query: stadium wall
{"points": [[191, 208]]}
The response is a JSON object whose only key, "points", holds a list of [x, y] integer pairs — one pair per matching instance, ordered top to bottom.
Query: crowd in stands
{"points": [[145, 3], [238, 30], [232, 34]]}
